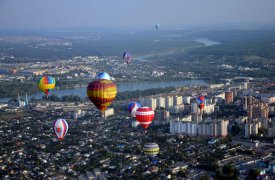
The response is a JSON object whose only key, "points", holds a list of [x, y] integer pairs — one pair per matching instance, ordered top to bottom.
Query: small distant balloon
{"points": [[157, 26], [127, 57], [104, 75], [46, 83], [201, 98], [201, 102], [60, 128], [151, 149]]}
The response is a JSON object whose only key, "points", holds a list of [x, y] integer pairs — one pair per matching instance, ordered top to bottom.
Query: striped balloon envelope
{"points": [[46, 83], [102, 93], [133, 107], [145, 116], [60, 128], [151, 149]]}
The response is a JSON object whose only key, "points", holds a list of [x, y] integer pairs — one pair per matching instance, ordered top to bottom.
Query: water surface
{"points": [[122, 87]]}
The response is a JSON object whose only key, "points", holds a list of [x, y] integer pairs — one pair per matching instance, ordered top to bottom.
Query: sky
{"points": [[58, 14]]}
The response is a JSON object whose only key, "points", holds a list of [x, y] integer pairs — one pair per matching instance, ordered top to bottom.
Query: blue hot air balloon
{"points": [[104, 75], [132, 108]]}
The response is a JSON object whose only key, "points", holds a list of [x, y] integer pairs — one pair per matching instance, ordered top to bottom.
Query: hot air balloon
{"points": [[157, 26], [127, 57], [104, 75], [46, 83], [102, 93], [201, 99], [201, 102], [201, 106], [132, 108], [145, 116], [60, 128], [151, 149]]}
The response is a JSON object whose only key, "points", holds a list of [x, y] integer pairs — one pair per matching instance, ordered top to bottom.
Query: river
{"points": [[122, 87]]}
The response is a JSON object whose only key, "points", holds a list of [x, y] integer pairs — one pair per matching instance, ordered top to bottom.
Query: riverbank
{"points": [[122, 87]]}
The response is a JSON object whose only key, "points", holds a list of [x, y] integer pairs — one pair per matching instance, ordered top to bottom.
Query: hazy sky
{"points": [[50, 14]]}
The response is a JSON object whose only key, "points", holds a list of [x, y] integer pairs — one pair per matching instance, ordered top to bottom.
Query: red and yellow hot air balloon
{"points": [[46, 83], [102, 93], [145, 116]]}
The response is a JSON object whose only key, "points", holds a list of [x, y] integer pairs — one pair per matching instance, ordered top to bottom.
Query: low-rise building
{"points": [[109, 112]]}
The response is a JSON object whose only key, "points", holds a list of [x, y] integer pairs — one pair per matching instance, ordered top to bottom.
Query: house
{"points": [[212, 141], [271, 167], [175, 168]]}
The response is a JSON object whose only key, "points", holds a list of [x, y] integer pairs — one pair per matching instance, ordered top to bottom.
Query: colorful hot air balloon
{"points": [[127, 57], [104, 75], [46, 83], [102, 93], [201, 99], [201, 102], [201, 106], [132, 108], [145, 116], [60, 128], [151, 149]]}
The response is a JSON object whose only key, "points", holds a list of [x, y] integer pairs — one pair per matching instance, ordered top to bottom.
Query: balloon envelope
{"points": [[157, 26], [127, 57], [104, 75], [46, 83], [102, 93], [201, 99], [201, 102], [201, 106], [133, 107], [145, 116], [60, 128], [151, 149]]}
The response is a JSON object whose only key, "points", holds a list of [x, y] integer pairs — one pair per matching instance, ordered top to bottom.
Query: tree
{"points": [[51, 98], [160, 108], [235, 129], [262, 130], [227, 138], [232, 153], [228, 169], [227, 172], [182, 173], [252, 174], [204, 177]]}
